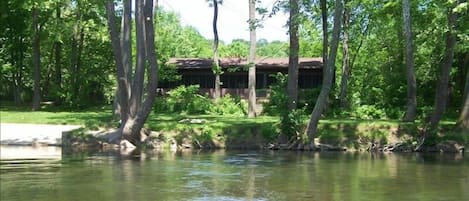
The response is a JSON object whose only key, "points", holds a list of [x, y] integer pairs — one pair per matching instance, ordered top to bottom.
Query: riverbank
{"points": [[237, 132]]}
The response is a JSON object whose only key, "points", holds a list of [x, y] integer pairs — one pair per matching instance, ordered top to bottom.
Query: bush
{"points": [[307, 98], [184, 99], [278, 99], [227, 105], [368, 112], [291, 123]]}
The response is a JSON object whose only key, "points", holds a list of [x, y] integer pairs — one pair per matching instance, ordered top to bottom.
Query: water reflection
{"points": [[31, 152], [238, 175]]}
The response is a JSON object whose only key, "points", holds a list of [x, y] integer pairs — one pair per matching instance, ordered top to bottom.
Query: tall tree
{"points": [[325, 37], [125, 42], [58, 53], [75, 54], [36, 58], [345, 58], [252, 59], [216, 66], [292, 85], [441, 95], [134, 107], [411, 111], [463, 120], [312, 126]]}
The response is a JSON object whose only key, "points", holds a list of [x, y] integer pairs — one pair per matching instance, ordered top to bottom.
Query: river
{"points": [[47, 174]]}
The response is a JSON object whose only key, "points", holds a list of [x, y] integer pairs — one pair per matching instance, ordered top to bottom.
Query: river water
{"points": [[47, 174]]}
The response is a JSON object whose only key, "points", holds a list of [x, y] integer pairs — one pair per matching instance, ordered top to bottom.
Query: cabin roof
{"points": [[201, 63]]}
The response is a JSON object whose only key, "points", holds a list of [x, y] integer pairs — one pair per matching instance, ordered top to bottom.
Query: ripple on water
{"points": [[36, 164]]}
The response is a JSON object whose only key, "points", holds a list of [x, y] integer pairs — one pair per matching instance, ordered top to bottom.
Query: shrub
{"points": [[278, 98], [307, 98], [185, 99], [228, 105], [369, 112], [291, 122]]}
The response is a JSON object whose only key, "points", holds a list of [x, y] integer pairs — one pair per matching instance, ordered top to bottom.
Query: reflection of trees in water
{"points": [[241, 176]]}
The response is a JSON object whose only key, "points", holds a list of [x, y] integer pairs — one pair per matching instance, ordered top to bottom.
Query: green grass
{"points": [[44, 117], [91, 117], [102, 117], [167, 122], [341, 131]]}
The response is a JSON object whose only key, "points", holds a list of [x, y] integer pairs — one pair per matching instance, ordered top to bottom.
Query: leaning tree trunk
{"points": [[325, 37], [252, 59], [36, 60], [345, 60], [216, 66], [122, 80], [292, 85], [441, 94], [135, 105], [411, 111], [463, 120], [134, 124], [312, 126]]}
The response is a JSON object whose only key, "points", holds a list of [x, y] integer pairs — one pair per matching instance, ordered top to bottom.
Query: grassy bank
{"points": [[239, 131]]}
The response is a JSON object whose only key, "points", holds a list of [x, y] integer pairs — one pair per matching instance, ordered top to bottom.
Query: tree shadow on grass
{"points": [[89, 119]]}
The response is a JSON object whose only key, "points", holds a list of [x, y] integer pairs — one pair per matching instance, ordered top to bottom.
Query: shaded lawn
{"points": [[102, 117], [94, 118], [168, 122]]}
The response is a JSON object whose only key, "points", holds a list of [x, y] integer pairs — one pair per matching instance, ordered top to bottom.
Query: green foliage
{"points": [[238, 48], [272, 49], [278, 98], [307, 98], [185, 99], [228, 105], [368, 112], [292, 122], [269, 132]]}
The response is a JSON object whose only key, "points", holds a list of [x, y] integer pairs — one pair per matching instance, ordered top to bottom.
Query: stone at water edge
{"points": [[125, 144]]}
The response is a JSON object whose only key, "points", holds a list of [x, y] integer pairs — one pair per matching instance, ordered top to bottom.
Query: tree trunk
{"points": [[324, 31], [125, 42], [150, 55], [74, 57], [16, 59], [252, 59], [346, 59], [36, 61], [58, 61], [58, 66], [216, 67], [77, 70], [138, 80], [122, 81], [292, 85], [46, 87], [442, 88], [139, 110], [410, 113], [463, 121], [312, 126]]}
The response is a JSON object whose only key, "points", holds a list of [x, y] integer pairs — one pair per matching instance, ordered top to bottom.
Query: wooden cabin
{"points": [[196, 71]]}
